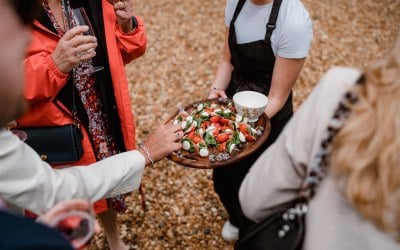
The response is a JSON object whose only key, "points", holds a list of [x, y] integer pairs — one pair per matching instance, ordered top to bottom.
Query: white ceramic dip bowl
{"points": [[250, 104]]}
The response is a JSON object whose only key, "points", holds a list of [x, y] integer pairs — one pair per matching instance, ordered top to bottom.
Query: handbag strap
{"points": [[74, 107], [319, 166], [299, 207]]}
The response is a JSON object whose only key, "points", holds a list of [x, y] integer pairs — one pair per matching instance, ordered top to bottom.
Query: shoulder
{"points": [[231, 3], [229, 10], [294, 17], [294, 30], [339, 78], [326, 95], [324, 98]]}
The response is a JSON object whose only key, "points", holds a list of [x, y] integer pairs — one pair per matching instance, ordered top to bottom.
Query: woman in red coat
{"points": [[53, 70]]}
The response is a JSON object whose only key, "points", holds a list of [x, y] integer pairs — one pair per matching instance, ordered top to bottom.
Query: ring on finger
{"points": [[79, 56]]}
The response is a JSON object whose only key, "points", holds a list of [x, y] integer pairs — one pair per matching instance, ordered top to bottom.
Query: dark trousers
{"points": [[227, 180]]}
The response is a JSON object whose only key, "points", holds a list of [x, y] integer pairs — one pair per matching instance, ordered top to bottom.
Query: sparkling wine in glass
{"points": [[78, 17]]}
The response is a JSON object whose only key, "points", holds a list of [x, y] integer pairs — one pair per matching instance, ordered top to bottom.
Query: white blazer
{"points": [[28, 182]]}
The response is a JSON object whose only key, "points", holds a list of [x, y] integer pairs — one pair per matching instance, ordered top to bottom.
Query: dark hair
{"points": [[27, 10]]}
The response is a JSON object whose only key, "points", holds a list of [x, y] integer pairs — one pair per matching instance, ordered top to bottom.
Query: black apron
{"points": [[253, 64]]}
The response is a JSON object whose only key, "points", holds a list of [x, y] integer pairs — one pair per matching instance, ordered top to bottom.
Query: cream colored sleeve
{"points": [[277, 175], [28, 182]]}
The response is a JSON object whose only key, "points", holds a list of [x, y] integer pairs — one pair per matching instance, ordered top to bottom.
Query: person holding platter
{"points": [[266, 44]]}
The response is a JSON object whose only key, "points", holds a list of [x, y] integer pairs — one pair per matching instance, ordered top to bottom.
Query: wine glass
{"points": [[78, 17], [21, 134], [77, 226]]}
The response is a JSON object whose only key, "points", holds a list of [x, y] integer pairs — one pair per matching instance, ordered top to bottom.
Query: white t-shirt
{"points": [[293, 32]]}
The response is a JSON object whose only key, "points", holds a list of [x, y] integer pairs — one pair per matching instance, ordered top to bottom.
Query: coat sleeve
{"points": [[132, 45], [43, 80], [277, 175], [28, 182]]}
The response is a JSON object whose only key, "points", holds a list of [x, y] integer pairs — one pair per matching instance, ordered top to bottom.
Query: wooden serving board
{"points": [[194, 160]]}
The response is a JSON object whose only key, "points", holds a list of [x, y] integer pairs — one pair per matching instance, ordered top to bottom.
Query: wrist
{"points": [[132, 26], [215, 88], [212, 89], [146, 153]]}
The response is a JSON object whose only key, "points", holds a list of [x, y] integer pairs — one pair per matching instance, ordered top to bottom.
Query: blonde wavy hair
{"points": [[366, 151]]}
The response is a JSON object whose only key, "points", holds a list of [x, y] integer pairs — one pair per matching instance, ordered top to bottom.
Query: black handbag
{"points": [[57, 144], [283, 229]]}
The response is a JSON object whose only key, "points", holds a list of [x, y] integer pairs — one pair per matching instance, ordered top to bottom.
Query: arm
{"points": [[131, 40], [293, 45], [224, 71], [286, 72], [29, 182]]}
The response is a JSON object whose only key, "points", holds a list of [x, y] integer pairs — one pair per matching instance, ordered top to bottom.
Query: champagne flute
{"points": [[78, 17]]}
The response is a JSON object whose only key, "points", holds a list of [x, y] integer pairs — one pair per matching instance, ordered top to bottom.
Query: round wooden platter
{"points": [[194, 160]]}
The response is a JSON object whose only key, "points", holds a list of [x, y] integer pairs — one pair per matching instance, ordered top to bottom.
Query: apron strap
{"points": [[239, 7], [272, 19]]}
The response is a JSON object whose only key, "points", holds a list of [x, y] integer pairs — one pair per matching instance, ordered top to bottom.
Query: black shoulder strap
{"points": [[239, 7], [272, 19], [319, 165]]}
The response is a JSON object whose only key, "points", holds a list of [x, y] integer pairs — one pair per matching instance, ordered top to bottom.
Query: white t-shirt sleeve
{"points": [[229, 11], [294, 40]]}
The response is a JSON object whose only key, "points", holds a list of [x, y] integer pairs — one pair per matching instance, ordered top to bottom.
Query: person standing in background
{"points": [[266, 44], [54, 70]]}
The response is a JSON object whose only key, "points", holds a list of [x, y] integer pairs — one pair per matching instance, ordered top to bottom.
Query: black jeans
{"points": [[227, 180]]}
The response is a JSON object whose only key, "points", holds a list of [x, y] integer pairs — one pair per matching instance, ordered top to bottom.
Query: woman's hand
{"points": [[123, 11], [73, 48], [215, 93], [163, 141]]}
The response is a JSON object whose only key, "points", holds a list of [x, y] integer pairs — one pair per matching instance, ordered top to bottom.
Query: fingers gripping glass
{"points": [[78, 17], [77, 226]]}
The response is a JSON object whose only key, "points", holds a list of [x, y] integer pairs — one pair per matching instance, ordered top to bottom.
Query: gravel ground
{"points": [[185, 41]]}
